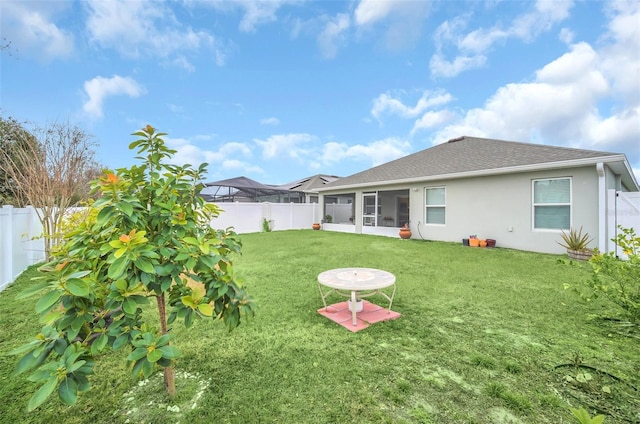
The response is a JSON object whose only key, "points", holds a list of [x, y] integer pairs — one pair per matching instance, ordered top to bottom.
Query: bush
{"points": [[616, 279]]}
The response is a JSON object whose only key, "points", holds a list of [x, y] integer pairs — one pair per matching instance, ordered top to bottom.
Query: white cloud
{"points": [[371, 11], [255, 12], [403, 20], [31, 28], [138, 29], [333, 35], [471, 48], [619, 58], [442, 67], [99, 88], [579, 100], [385, 103], [432, 120], [270, 121], [285, 146], [377, 152], [227, 156]]}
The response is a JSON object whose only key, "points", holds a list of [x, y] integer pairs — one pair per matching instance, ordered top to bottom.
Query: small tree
{"points": [[48, 168], [151, 238], [615, 279]]}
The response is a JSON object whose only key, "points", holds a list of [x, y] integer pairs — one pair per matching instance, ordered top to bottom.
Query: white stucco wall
{"points": [[500, 208]]}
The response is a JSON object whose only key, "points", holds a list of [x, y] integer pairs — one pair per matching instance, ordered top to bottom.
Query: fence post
{"points": [[6, 246]]}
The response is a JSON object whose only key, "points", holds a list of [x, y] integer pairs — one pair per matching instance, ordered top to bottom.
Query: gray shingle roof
{"points": [[463, 155]]}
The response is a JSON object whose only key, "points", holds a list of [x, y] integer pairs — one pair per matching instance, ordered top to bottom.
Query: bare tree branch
{"points": [[50, 168]]}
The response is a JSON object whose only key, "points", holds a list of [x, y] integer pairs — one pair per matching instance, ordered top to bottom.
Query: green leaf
{"points": [[126, 208], [104, 215], [143, 264], [118, 268], [78, 287], [32, 290], [47, 301], [188, 301], [129, 306], [205, 309], [164, 339], [120, 341], [99, 343], [21, 349], [169, 352], [137, 354], [154, 355], [25, 363], [76, 366], [147, 368], [68, 391], [42, 394]]}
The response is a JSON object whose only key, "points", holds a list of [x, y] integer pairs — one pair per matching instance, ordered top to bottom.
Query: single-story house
{"points": [[309, 185], [243, 189], [522, 195]]}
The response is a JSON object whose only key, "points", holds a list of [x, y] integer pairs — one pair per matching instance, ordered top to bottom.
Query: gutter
{"points": [[483, 172], [602, 208]]}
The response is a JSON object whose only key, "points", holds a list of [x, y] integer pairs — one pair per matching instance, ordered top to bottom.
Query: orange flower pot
{"points": [[474, 242]]}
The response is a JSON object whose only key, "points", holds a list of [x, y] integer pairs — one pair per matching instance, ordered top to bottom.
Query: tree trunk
{"points": [[169, 372]]}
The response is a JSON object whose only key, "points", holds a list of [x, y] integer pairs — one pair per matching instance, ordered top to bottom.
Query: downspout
{"points": [[602, 208]]}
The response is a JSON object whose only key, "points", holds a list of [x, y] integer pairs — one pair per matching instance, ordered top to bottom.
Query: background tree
{"points": [[48, 168], [150, 239]]}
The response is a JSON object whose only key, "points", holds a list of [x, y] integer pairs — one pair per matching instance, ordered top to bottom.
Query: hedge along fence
{"points": [[20, 229], [21, 244]]}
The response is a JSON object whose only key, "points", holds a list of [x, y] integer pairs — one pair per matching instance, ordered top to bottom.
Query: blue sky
{"points": [[279, 90]]}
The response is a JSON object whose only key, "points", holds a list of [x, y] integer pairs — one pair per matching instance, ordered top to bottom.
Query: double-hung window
{"points": [[552, 204], [435, 205]]}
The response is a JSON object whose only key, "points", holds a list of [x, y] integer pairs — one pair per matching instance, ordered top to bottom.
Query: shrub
{"points": [[150, 239], [616, 279]]}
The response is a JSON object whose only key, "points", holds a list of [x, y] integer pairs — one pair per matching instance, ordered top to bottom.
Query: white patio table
{"points": [[356, 283]]}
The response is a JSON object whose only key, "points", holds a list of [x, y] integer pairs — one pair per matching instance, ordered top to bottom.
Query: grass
{"points": [[480, 339]]}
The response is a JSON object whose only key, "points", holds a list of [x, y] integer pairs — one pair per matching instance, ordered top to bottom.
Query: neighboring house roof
{"points": [[473, 156], [310, 184], [238, 187]]}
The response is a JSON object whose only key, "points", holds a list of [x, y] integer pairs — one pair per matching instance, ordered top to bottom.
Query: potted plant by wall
{"points": [[316, 226], [405, 232], [576, 244]]}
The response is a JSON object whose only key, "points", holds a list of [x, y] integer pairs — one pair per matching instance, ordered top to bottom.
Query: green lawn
{"points": [[484, 337]]}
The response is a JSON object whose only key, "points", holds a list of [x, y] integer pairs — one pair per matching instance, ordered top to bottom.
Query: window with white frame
{"points": [[435, 199], [552, 204]]}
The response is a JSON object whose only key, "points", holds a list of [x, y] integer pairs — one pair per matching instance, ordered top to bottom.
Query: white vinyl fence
{"points": [[625, 207], [249, 217], [18, 227], [19, 247]]}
